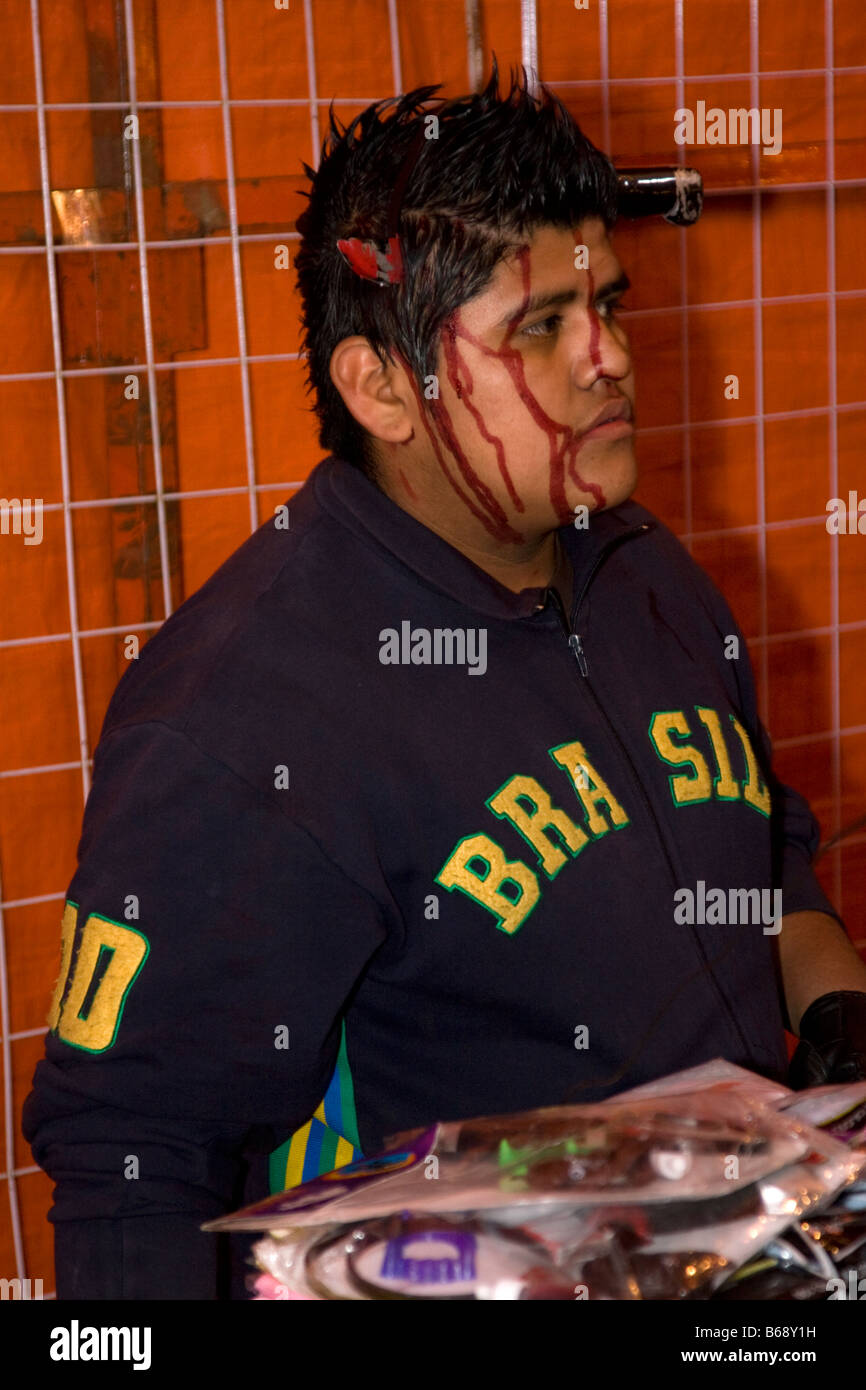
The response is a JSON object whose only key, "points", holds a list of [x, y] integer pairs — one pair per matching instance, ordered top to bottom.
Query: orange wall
{"points": [[770, 285]]}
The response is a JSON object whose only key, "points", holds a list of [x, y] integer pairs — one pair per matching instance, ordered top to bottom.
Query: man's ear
{"points": [[376, 392]]}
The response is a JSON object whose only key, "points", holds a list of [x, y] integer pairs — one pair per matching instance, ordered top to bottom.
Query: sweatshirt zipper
{"points": [[575, 644], [576, 648]]}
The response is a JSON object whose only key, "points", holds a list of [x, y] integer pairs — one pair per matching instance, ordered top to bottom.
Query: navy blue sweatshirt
{"points": [[374, 841]]}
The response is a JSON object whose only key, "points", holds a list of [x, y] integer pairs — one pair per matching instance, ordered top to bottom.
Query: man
{"points": [[395, 819]]}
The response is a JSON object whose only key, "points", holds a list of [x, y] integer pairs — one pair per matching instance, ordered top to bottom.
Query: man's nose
{"points": [[602, 350]]}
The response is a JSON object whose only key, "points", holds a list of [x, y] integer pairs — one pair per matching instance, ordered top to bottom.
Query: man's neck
{"points": [[547, 566], [563, 577]]}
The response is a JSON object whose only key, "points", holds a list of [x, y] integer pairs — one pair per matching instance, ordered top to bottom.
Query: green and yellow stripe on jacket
{"points": [[327, 1141]]}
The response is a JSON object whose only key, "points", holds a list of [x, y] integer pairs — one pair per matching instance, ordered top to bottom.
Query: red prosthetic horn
{"points": [[371, 261]]}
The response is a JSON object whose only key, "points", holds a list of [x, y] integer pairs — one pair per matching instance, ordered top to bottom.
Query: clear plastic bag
{"points": [[657, 1194]]}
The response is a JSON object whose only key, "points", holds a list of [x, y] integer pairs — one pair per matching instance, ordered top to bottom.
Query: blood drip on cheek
{"points": [[461, 380], [564, 442], [393, 445], [407, 485], [489, 512]]}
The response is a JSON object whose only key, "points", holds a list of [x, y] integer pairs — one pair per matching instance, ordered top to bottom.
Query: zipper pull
{"points": [[575, 643]]}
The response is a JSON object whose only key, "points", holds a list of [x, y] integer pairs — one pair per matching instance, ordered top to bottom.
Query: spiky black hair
{"points": [[495, 167]]}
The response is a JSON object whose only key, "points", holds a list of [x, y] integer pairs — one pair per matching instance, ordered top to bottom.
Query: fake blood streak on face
{"points": [[461, 379], [563, 453], [407, 485], [495, 518], [497, 523]]}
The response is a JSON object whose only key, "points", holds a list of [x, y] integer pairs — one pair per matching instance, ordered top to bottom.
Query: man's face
{"points": [[525, 370]]}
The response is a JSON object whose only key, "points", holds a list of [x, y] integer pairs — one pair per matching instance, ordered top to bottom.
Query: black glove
{"points": [[832, 1045]]}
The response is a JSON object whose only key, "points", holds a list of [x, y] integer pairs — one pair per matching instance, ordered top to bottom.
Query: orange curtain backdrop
{"points": [[185, 420]]}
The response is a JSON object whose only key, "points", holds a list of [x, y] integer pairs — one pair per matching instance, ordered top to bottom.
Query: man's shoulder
{"points": [[661, 540], [672, 563], [238, 626]]}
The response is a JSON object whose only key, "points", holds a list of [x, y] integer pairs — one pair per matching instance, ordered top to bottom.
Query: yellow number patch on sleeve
{"points": [[67, 936], [90, 1015]]}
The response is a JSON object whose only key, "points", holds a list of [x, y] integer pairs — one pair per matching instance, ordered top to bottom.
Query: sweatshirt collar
{"points": [[357, 503]]}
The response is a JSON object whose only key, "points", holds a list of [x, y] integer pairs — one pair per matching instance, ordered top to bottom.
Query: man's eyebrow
{"points": [[613, 287], [537, 302]]}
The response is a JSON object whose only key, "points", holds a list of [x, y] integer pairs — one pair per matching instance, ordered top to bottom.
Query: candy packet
{"points": [[838, 1110], [693, 1145], [661, 1195], [674, 1250]]}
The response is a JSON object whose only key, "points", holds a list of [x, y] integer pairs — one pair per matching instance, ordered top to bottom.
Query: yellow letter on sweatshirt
{"points": [[478, 867]]}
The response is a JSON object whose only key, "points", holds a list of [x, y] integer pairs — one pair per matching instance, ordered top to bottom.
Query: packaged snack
{"points": [[718, 1074], [838, 1110], [682, 1147], [650, 1196], [281, 1256], [821, 1256], [413, 1258]]}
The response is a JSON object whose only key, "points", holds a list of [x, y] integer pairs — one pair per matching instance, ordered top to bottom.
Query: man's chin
{"points": [[616, 480], [612, 487]]}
